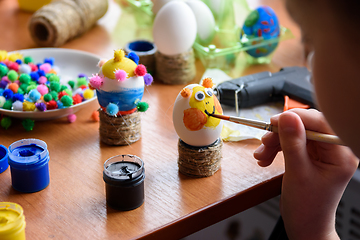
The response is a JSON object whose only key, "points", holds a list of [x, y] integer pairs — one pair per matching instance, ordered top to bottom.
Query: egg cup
{"points": [[175, 69], [199, 161]]}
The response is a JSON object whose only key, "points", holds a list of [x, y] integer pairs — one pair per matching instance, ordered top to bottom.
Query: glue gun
{"points": [[264, 87]]}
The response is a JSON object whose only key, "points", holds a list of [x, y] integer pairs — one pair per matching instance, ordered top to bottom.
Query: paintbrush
{"points": [[316, 136]]}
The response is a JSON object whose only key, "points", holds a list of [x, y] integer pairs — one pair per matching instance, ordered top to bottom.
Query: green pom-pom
{"points": [[28, 59], [3, 70], [12, 75], [48, 75], [24, 78], [54, 78], [81, 82], [32, 83], [71, 84], [24, 86], [55, 86], [30, 87], [63, 87], [20, 91], [68, 91], [54, 95], [48, 97], [66, 100], [8, 104], [142, 106], [6, 122], [28, 124]]}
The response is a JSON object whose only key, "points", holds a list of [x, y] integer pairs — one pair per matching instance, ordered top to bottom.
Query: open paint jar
{"points": [[3, 158], [29, 165], [124, 182], [12, 221]]}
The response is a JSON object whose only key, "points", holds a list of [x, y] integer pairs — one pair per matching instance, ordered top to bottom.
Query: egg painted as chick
{"points": [[120, 84], [191, 114]]}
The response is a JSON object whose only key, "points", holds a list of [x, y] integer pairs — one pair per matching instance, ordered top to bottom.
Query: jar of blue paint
{"points": [[3, 158], [29, 165]]}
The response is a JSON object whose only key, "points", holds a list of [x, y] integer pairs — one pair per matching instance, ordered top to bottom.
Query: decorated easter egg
{"points": [[204, 20], [261, 26], [174, 29], [120, 84], [191, 115]]}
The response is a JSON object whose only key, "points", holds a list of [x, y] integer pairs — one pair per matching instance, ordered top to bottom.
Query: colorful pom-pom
{"points": [[133, 56], [28, 59], [49, 60], [101, 63], [46, 67], [24, 68], [3, 70], [140, 70], [12, 75], [120, 75], [34, 76], [24, 78], [54, 78], [148, 79], [42, 80], [82, 81], [96, 81], [207, 83], [71, 84], [55, 86], [13, 87], [42, 89], [8, 94], [61, 94], [88, 94], [34, 95], [18, 97], [48, 97], [77, 99], [66, 100], [2, 101], [8, 104], [51, 105], [60, 105], [17, 106], [28, 106], [40, 106], [142, 106], [112, 109], [95, 116], [71, 118], [6, 122], [28, 124]]}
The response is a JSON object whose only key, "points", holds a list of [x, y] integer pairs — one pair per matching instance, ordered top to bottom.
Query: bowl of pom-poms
{"points": [[45, 83]]}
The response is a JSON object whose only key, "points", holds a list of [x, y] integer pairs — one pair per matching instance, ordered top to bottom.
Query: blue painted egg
{"points": [[260, 26]]}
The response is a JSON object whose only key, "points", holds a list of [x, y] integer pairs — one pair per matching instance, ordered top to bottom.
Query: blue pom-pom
{"points": [[133, 56], [50, 60], [18, 61], [41, 72], [34, 76], [148, 79], [8, 94], [34, 95], [18, 97], [60, 104], [112, 109]]}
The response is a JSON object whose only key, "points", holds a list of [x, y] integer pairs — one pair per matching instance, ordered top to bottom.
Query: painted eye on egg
{"points": [[209, 92], [199, 96]]}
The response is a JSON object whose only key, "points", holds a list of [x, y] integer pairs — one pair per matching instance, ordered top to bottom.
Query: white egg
{"points": [[158, 4], [205, 21], [174, 29], [192, 124]]}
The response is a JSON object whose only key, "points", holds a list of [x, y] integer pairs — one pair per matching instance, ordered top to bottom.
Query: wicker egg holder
{"points": [[119, 130], [199, 161]]}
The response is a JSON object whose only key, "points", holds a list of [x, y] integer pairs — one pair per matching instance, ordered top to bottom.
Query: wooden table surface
{"points": [[73, 206]]}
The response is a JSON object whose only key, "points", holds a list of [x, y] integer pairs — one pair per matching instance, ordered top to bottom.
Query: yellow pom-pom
{"points": [[3, 55], [119, 55], [15, 56], [119, 62], [88, 93], [28, 106]]}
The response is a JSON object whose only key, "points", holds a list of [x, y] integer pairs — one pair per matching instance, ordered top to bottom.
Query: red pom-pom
{"points": [[13, 66], [34, 68], [140, 70], [61, 94], [77, 99], [51, 105]]}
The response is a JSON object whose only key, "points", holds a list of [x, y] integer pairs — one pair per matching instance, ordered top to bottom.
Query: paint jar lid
{"points": [[141, 47], [28, 152], [3, 158], [124, 167], [12, 219]]}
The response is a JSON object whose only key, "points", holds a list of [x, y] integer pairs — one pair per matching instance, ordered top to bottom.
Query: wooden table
{"points": [[73, 206]]}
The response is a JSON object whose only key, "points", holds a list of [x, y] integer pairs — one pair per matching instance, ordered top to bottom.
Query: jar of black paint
{"points": [[124, 182]]}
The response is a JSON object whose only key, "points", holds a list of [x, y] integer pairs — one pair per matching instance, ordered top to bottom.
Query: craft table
{"points": [[73, 206]]}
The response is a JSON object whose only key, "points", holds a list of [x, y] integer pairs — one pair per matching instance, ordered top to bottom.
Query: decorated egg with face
{"points": [[262, 28], [120, 84], [191, 114]]}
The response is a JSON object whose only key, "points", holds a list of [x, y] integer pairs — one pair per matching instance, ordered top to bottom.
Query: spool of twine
{"points": [[57, 22], [175, 69], [122, 130], [199, 161]]}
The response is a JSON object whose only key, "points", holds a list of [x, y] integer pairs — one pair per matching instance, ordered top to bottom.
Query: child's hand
{"points": [[316, 174]]}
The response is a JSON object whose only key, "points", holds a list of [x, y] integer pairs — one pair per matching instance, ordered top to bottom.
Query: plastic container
{"points": [[3, 158], [29, 165], [124, 182], [12, 221]]}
